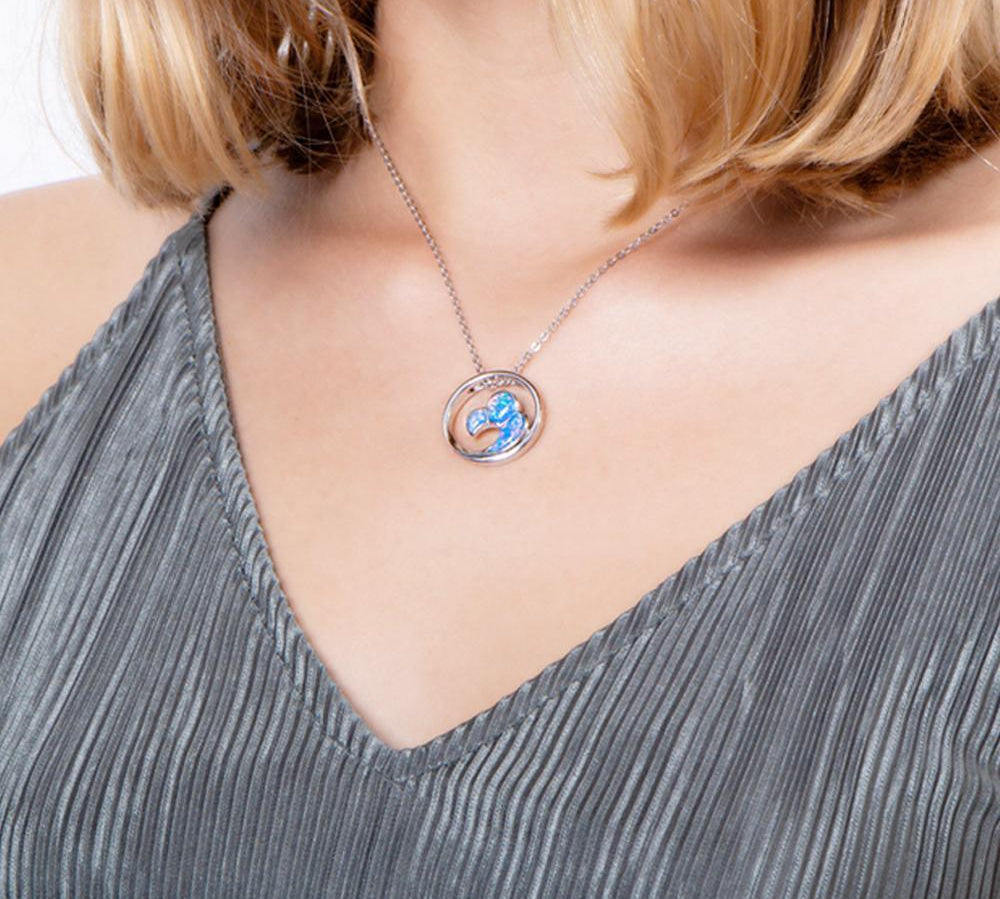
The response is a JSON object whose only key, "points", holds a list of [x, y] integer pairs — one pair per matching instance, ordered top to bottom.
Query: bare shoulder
{"points": [[69, 253]]}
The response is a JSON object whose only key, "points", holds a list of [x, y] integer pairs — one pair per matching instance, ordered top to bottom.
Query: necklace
{"points": [[514, 408]]}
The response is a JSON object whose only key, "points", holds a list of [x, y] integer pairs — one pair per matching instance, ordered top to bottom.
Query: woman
{"points": [[724, 619]]}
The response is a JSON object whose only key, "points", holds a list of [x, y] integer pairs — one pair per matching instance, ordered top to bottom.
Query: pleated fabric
{"points": [[810, 707]]}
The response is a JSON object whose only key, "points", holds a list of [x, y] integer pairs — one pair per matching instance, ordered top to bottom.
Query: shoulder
{"points": [[70, 252]]}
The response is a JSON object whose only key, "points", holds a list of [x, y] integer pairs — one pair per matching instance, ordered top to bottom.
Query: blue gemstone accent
{"points": [[501, 405], [502, 411], [476, 420]]}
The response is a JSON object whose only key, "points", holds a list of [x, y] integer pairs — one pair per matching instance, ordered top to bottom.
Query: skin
{"points": [[690, 384]]}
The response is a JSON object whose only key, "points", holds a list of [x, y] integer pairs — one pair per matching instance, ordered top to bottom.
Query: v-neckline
{"points": [[309, 679]]}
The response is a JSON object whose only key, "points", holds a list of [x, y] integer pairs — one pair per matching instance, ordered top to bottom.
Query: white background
{"points": [[41, 140]]}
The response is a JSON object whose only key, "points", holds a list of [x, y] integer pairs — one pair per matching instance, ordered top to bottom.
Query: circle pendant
{"points": [[505, 414]]}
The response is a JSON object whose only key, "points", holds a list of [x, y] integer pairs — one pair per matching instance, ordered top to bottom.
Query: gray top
{"points": [[809, 707]]}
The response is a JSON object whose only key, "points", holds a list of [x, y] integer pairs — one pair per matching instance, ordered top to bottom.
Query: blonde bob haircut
{"points": [[825, 102]]}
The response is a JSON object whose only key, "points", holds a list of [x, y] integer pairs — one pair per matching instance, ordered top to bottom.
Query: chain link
{"points": [[537, 344]]}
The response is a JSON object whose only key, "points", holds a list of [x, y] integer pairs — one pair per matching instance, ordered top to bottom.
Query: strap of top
{"points": [[212, 200]]}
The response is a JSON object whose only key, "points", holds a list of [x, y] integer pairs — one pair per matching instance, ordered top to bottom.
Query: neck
{"points": [[493, 133]]}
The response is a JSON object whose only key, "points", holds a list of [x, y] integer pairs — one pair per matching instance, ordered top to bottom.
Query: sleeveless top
{"points": [[809, 707]]}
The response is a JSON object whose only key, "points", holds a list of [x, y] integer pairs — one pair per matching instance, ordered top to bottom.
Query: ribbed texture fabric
{"points": [[810, 707]]}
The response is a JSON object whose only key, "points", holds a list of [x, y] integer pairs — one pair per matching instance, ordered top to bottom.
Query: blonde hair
{"points": [[828, 103]]}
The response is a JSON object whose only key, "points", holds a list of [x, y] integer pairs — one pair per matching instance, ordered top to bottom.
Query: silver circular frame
{"points": [[497, 377]]}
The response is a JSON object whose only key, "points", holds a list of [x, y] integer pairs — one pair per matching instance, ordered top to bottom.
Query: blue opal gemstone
{"points": [[501, 405], [503, 412], [476, 420], [510, 432]]}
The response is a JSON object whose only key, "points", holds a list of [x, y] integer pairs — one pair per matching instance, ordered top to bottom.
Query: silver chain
{"points": [[536, 346]]}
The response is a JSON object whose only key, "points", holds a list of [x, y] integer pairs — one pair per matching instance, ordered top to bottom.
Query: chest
{"points": [[430, 586]]}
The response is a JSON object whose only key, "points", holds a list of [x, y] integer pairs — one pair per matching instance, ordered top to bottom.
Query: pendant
{"points": [[501, 412]]}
